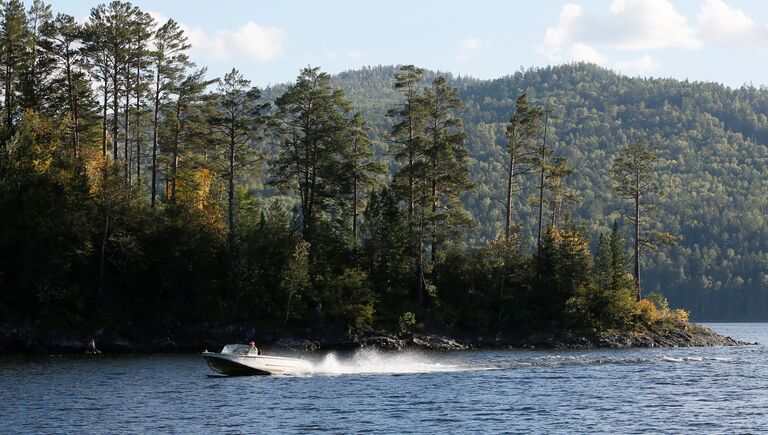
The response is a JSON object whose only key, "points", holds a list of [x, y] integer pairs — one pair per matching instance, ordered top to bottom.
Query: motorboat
{"points": [[241, 359]]}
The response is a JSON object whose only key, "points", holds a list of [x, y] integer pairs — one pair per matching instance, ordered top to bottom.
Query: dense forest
{"points": [[712, 143], [136, 190]]}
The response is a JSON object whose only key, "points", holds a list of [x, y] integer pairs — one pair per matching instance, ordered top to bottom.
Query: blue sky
{"points": [[269, 41]]}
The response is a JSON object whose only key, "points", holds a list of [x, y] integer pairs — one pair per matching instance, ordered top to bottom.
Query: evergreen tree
{"points": [[139, 30], [95, 49], [13, 52], [170, 60], [38, 69], [142, 80], [72, 88], [189, 92], [237, 120], [522, 129], [408, 134], [314, 140], [542, 154], [362, 172], [446, 173], [635, 179], [410, 180], [560, 196], [385, 252], [603, 264], [618, 270]]}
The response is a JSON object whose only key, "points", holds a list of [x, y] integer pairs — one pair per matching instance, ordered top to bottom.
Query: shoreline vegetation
{"points": [[160, 200], [23, 341]]}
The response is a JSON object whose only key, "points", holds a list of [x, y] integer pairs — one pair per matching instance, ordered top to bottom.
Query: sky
{"points": [[724, 41]]}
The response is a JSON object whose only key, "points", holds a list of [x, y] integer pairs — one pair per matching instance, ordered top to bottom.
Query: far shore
{"points": [[15, 340]]}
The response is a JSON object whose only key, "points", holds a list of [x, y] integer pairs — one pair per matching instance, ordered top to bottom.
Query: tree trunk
{"points": [[72, 106], [115, 109], [9, 115], [104, 119], [137, 122], [126, 129], [154, 139], [175, 160], [543, 162], [510, 175], [231, 199], [354, 202], [231, 216], [637, 233], [103, 252], [420, 277]]}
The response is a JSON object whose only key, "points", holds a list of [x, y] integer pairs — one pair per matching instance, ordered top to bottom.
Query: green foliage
{"points": [[710, 142], [391, 196], [349, 300], [659, 300], [406, 321]]}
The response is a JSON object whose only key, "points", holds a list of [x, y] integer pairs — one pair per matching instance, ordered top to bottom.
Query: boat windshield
{"points": [[238, 349]]}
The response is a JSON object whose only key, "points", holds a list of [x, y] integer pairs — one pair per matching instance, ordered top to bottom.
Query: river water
{"points": [[690, 390]]}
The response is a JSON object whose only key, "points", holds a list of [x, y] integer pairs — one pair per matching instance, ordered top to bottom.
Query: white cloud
{"points": [[648, 24], [721, 24], [628, 25], [645, 25], [562, 34], [251, 41], [256, 42], [466, 48], [587, 53], [355, 55], [641, 66]]}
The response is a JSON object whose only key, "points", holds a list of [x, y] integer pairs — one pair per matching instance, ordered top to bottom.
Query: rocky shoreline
{"points": [[21, 340]]}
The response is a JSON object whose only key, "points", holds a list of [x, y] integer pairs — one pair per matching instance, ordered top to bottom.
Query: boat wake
{"points": [[372, 361]]}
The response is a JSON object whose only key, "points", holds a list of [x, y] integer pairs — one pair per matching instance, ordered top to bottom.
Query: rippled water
{"points": [[704, 390]]}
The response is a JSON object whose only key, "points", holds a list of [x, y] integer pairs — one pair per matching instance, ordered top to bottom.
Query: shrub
{"points": [[659, 300], [646, 312], [682, 315], [406, 321]]}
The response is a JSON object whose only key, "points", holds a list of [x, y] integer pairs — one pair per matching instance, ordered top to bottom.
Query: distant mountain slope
{"points": [[712, 141]]}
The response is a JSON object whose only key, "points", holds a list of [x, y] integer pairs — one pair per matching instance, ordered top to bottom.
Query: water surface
{"points": [[692, 390]]}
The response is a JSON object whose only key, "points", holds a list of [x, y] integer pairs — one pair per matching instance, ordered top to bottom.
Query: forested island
{"points": [[142, 199]]}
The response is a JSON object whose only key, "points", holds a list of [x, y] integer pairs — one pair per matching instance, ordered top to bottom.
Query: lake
{"points": [[687, 390]]}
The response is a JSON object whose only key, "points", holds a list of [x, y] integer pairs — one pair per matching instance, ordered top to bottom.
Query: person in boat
{"points": [[254, 348]]}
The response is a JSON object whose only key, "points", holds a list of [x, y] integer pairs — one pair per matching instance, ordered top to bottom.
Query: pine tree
{"points": [[138, 31], [95, 49], [13, 52], [170, 60], [39, 66], [142, 81], [72, 89], [188, 92], [237, 122], [313, 127], [522, 130], [408, 134], [542, 154], [363, 173], [447, 176], [635, 179], [411, 180], [560, 196], [619, 261], [603, 264]]}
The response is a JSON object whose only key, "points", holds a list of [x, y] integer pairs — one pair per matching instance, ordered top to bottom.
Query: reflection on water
{"points": [[638, 390]]}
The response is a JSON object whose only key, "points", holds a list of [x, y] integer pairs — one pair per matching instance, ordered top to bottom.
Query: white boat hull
{"points": [[239, 365]]}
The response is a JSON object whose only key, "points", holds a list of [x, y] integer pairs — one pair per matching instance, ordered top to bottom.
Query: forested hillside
{"points": [[713, 147], [137, 192]]}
